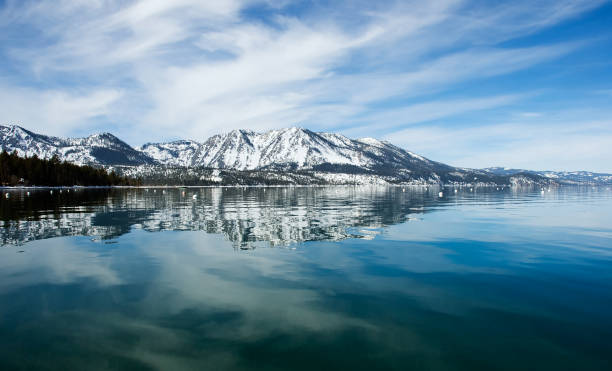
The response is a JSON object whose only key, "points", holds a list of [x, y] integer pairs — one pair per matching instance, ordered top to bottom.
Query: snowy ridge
{"points": [[286, 148], [292, 148], [98, 149], [239, 149], [284, 156], [567, 177]]}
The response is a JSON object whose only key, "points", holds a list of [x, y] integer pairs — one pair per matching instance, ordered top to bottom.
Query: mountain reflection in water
{"points": [[246, 216], [500, 279]]}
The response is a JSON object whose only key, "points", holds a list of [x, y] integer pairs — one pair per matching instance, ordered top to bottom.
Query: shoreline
{"points": [[456, 186]]}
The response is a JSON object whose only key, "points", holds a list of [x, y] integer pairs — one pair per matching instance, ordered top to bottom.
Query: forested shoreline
{"points": [[33, 171]]}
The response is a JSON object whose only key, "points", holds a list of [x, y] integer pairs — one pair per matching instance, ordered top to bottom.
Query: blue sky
{"points": [[471, 83]]}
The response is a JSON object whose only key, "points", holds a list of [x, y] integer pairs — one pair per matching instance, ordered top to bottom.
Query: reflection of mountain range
{"points": [[277, 216]]}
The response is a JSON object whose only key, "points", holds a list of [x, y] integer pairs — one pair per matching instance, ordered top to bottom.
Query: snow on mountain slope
{"points": [[289, 148], [97, 149], [283, 149], [277, 151], [178, 153], [568, 177]]}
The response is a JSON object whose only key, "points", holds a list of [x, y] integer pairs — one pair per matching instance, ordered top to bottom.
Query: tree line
{"points": [[33, 171]]}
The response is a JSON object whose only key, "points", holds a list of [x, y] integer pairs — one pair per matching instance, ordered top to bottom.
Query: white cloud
{"points": [[191, 68], [431, 110], [56, 112], [547, 142]]}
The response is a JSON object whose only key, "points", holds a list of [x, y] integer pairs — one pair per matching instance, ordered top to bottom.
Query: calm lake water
{"points": [[306, 278]]}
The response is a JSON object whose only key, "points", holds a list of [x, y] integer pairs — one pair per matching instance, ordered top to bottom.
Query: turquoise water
{"points": [[306, 278]]}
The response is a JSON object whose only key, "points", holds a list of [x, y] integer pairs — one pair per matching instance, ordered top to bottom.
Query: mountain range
{"points": [[285, 156]]}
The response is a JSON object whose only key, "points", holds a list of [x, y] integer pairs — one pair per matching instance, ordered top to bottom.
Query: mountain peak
{"points": [[16, 128], [241, 131], [104, 136], [104, 139]]}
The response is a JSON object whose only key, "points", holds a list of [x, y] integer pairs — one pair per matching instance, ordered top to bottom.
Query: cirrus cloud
{"points": [[159, 70]]}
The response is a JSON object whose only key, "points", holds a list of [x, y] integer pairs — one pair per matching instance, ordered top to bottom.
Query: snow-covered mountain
{"points": [[292, 148], [98, 149], [239, 150], [246, 157], [567, 177]]}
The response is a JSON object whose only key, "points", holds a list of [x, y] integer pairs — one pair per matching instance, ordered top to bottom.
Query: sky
{"points": [[521, 84]]}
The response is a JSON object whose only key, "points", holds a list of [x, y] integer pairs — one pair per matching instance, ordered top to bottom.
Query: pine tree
{"points": [[15, 170]]}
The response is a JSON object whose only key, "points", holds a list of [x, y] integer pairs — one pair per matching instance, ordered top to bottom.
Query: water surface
{"points": [[306, 278]]}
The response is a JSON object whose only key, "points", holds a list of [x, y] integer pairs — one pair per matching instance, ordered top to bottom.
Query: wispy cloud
{"points": [[155, 70], [432, 110], [60, 112], [558, 141]]}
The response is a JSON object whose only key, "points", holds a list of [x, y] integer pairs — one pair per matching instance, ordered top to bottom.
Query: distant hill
{"points": [[564, 177]]}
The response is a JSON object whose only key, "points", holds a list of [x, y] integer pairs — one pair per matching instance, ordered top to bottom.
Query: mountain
{"points": [[292, 148], [98, 149], [285, 156], [566, 177]]}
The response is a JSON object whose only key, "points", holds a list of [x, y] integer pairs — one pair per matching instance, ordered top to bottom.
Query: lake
{"points": [[305, 278]]}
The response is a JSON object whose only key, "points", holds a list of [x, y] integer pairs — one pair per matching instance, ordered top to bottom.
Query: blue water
{"points": [[306, 278]]}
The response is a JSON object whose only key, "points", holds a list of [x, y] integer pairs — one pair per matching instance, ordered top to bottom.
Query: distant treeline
{"points": [[33, 171]]}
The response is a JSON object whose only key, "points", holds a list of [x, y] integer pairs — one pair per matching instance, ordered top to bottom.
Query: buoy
{"points": [[403, 189], [51, 191], [455, 191], [27, 193], [183, 193], [440, 194], [7, 195], [194, 197]]}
